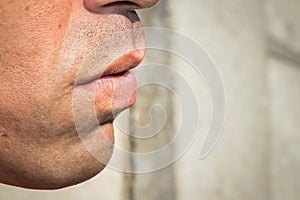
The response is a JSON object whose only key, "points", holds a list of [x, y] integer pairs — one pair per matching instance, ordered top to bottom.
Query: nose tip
{"points": [[99, 6]]}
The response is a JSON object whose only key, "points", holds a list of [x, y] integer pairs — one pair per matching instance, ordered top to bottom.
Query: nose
{"points": [[102, 6]]}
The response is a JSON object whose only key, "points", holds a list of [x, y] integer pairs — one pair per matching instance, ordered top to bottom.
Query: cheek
{"points": [[31, 35]]}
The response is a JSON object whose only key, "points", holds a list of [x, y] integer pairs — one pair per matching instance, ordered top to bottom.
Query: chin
{"points": [[86, 161], [58, 167], [72, 179], [43, 180]]}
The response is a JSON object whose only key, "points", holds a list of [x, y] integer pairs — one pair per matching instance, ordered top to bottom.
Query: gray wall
{"points": [[256, 46], [283, 67]]}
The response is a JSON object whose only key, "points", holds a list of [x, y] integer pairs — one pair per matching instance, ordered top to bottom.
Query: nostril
{"points": [[122, 4], [105, 6]]}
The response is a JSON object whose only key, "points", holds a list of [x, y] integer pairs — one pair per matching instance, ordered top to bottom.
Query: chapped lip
{"points": [[121, 65]]}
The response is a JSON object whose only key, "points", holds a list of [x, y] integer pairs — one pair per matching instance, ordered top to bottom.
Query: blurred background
{"points": [[255, 45]]}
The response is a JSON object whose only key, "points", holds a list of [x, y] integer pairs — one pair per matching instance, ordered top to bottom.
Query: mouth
{"points": [[121, 52], [116, 68], [105, 85], [110, 90], [114, 93]]}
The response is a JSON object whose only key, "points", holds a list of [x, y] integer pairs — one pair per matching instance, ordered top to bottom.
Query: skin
{"points": [[42, 46]]}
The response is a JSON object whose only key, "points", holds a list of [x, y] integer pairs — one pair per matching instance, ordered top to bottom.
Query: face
{"points": [[55, 81]]}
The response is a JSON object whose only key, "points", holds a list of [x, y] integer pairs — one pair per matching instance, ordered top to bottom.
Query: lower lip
{"points": [[119, 89]]}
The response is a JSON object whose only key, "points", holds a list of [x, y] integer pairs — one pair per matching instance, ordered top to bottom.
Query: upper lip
{"points": [[113, 57], [123, 63]]}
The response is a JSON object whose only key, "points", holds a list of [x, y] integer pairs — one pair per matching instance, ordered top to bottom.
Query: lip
{"points": [[122, 52], [122, 64], [104, 85], [114, 87], [118, 89], [103, 98]]}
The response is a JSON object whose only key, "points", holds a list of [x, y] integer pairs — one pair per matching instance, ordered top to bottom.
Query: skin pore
{"points": [[42, 47]]}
